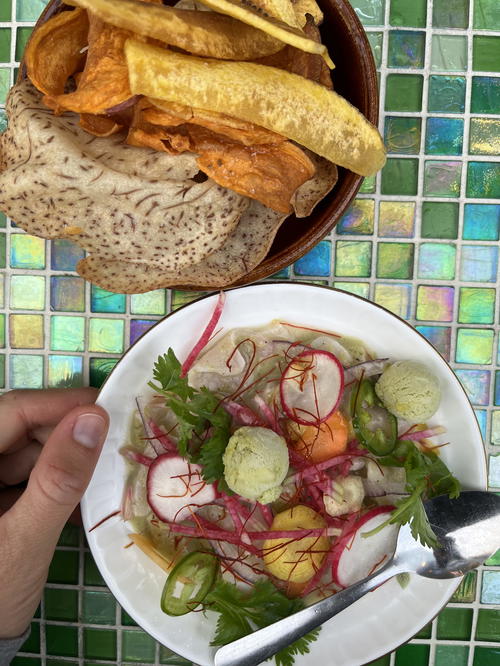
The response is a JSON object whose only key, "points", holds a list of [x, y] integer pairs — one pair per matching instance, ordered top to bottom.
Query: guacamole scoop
{"points": [[256, 463]]}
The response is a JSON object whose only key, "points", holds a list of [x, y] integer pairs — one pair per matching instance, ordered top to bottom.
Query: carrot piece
{"points": [[324, 441]]}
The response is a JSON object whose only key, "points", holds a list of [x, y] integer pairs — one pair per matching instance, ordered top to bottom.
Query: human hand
{"points": [[53, 437]]}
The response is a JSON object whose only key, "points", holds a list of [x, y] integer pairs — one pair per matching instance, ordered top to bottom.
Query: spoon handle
{"points": [[262, 644]]}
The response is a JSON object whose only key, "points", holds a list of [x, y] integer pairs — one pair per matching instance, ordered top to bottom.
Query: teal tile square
{"points": [[29, 10], [370, 12], [408, 14], [450, 14], [486, 15], [5, 44], [406, 49], [449, 53], [486, 53], [403, 92], [446, 94], [485, 96], [402, 134], [444, 136], [400, 176], [442, 178], [483, 180], [481, 222], [27, 252], [436, 261], [316, 262], [479, 263], [106, 301], [477, 305], [67, 333], [106, 335], [474, 345], [26, 371], [64, 371], [490, 590], [98, 607], [137, 646]]}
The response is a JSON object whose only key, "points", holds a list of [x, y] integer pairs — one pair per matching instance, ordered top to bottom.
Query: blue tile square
{"points": [[406, 48], [444, 136], [481, 222], [65, 255], [316, 262], [479, 263], [106, 301], [477, 385], [497, 387], [482, 419], [490, 589]]}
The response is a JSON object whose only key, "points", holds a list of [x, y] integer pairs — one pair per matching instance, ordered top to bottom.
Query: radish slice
{"points": [[205, 336], [311, 386], [175, 488], [360, 556]]}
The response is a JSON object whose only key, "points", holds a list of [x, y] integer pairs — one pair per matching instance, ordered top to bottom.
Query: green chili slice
{"points": [[375, 427], [189, 582]]}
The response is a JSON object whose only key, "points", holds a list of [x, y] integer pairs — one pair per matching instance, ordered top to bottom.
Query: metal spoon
{"points": [[468, 531]]}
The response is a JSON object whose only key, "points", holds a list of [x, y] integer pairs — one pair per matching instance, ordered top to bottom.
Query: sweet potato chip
{"points": [[271, 26], [201, 33], [54, 51], [302, 110], [99, 125]]}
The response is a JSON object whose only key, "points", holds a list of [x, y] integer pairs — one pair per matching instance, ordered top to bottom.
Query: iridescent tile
{"points": [[29, 10], [370, 12], [408, 14], [450, 14], [486, 15], [376, 40], [5, 42], [406, 48], [449, 53], [486, 53], [4, 84], [403, 92], [446, 94], [485, 97], [3, 121], [402, 134], [444, 136], [484, 136], [400, 176], [442, 179], [483, 180], [368, 185], [359, 218], [3, 219], [396, 219], [440, 219], [481, 222], [3, 239], [27, 251], [65, 255], [353, 258], [395, 260], [437, 261], [316, 262], [479, 263], [284, 273], [357, 288], [2, 290], [27, 292], [67, 293], [394, 297], [181, 298], [106, 301], [151, 302], [435, 303], [477, 305], [138, 327], [2, 330], [26, 331], [67, 333], [106, 335], [439, 337], [474, 345], [99, 369], [2, 371], [26, 371], [65, 371], [476, 384], [497, 388], [482, 421], [495, 427], [490, 589], [466, 591]]}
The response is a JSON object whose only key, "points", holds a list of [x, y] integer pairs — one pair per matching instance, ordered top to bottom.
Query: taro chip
{"points": [[55, 51]]}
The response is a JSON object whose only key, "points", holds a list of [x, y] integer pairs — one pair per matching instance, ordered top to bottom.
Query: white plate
{"points": [[380, 621]]}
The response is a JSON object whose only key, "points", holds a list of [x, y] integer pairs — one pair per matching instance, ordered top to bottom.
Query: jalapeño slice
{"points": [[375, 426], [189, 582]]}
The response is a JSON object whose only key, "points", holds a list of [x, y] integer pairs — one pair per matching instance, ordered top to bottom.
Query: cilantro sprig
{"points": [[203, 424], [242, 612]]}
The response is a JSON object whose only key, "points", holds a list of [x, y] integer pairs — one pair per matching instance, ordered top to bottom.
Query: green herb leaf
{"points": [[167, 371]]}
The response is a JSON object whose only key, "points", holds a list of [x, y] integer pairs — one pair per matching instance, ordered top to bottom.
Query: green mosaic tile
{"points": [[6, 10], [29, 10], [370, 12], [450, 13], [408, 14], [486, 15], [22, 37], [376, 40], [5, 44], [406, 49], [449, 53], [486, 53], [4, 84], [403, 92], [485, 96], [402, 135], [444, 136], [484, 136], [400, 176], [442, 179], [483, 180], [368, 185], [359, 218], [396, 219], [439, 219], [3, 220], [3, 239], [27, 251], [353, 258], [395, 260], [436, 261], [356, 288], [2, 290], [27, 292], [67, 293], [394, 297], [180, 298], [106, 301], [152, 303], [435, 303], [476, 305], [2, 330], [26, 331], [67, 333], [106, 335], [474, 345], [99, 369], [2, 371], [26, 371], [64, 371], [495, 428], [70, 536], [494, 561], [64, 567], [91, 575], [61, 605], [98, 607], [126, 620], [455, 624], [488, 625], [61, 640], [32, 643], [99, 644], [137, 646], [416, 655], [452, 655], [484, 656], [171, 659], [26, 661]]}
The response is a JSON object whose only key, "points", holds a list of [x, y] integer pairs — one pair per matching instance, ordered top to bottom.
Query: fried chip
{"points": [[304, 7], [279, 9], [274, 27], [202, 33], [54, 51], [301, 110], [99, 125], [316, 188]]}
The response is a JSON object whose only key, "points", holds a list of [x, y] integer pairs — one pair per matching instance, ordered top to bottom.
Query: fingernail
{"points": [[89, 430]]}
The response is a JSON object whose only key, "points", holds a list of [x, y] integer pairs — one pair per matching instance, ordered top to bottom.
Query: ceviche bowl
{"points": [[376, 624]]}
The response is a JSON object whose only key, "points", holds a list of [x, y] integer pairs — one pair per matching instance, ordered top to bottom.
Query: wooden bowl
{"points": [[355, 78]]}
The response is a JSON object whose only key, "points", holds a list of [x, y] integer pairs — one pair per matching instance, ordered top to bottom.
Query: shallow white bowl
{"points": [[380, 621]]}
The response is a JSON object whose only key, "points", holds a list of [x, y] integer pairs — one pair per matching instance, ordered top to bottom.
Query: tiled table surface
{"points": [[421, 239]]}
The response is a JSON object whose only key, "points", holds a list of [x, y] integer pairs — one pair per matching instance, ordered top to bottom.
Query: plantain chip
{"points": [[304, 7], [278, 9], [274, 27], [202, 33], [54, 51], [301, 110]]}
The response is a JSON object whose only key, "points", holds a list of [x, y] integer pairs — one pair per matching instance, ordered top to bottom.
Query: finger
{"points": [[22, 411], [42, 433], [16, 467], [8, 498]]}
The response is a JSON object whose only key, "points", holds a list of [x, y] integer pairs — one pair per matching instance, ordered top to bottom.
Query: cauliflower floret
{"points": [[346, 496]]}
